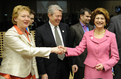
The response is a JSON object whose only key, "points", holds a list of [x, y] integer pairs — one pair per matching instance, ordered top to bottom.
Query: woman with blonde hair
{"points": [[19, 48]]}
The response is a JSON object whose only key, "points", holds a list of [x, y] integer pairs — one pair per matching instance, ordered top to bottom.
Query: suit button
{"points": [[97, 45], [96, 51]]}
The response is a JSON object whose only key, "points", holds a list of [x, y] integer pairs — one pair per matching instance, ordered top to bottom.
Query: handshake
{"points": [[59, 50]]}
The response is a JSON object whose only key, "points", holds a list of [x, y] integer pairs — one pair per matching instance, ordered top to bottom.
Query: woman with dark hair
{"points": [[101, 46]]}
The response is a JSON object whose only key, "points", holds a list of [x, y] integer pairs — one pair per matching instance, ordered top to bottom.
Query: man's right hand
{"points": [[74, 68], [44, 76]]}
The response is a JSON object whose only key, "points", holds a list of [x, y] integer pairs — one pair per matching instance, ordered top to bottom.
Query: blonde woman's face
{"points": [[23, 19], [100, 21]]}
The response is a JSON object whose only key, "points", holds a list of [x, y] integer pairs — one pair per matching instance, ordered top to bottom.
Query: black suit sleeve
{"points": [[111, 26], [115, 27], [72, 32], [40, 60]]}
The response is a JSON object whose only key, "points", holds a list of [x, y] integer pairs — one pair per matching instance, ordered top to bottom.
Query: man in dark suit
{"points": [[115, 27], [77, 32], [53, 68]]}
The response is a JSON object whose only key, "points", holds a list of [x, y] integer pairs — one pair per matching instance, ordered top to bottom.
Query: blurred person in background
{"points": [[115, 27]]}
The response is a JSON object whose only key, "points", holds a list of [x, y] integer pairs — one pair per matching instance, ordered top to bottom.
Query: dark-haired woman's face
{"points": [[100, 21]]}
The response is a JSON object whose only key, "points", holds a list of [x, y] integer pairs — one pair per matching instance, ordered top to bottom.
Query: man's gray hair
{"points": [[54, 7]]}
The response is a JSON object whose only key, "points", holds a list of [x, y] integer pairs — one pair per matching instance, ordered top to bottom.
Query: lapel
{"points": [[79, 26], [89, 26], [62, 29], [49, 33], [91, 35], [24, 39], [31, 40]]}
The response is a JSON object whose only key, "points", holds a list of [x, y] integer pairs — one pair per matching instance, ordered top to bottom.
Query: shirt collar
{"points": [[82, 24], [52, 26], [19, 31]]}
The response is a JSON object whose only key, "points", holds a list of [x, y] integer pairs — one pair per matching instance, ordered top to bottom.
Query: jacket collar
{"points": [[80, 28], [19, 31], [50, 34], [91, 35], [22, 37]]}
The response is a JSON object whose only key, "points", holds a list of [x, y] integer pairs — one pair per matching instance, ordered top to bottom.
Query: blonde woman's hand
{"points": [[64, 49], [57, 50]]}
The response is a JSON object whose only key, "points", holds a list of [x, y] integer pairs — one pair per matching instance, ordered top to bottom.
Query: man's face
{"points": [[31, 18], [55, 18], [85, 19]]}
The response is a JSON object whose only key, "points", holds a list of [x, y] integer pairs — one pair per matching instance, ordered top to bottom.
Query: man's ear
{"points": [[49, 15], [81, 16]]}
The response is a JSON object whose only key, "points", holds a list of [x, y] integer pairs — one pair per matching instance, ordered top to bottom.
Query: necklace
{"points": [[99, 32]]}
